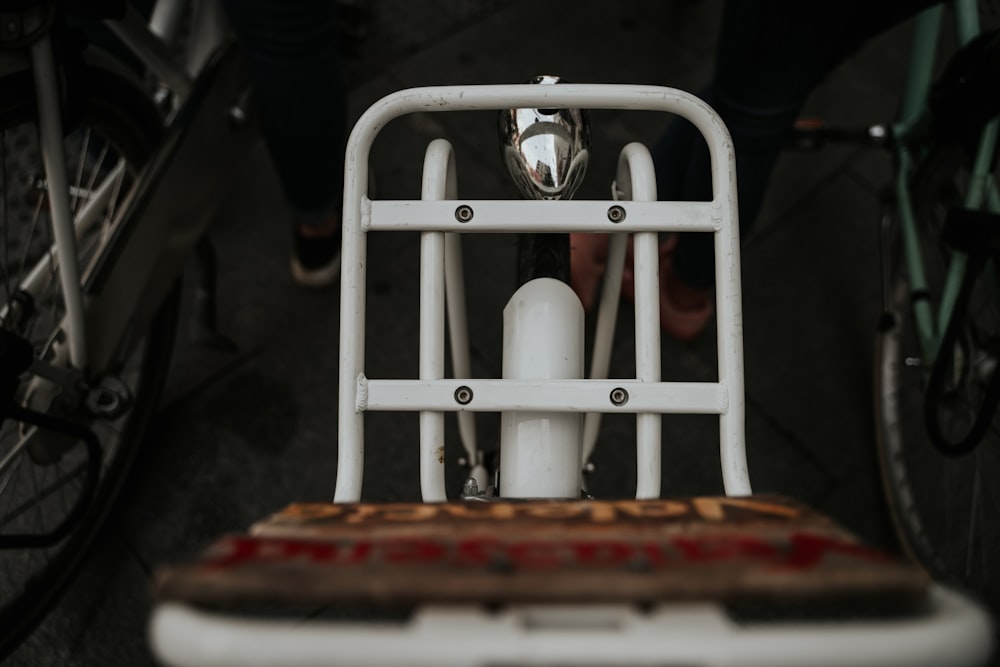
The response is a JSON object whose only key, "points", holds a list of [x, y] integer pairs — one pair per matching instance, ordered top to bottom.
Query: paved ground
{"points": [[242, 433]]}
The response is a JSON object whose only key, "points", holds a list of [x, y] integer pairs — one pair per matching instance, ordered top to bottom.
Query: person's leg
{"points": [[770, 56], [293, 62]]}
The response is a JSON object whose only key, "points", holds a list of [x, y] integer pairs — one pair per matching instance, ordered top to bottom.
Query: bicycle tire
{"points": [[113, 119], [946, 515]]}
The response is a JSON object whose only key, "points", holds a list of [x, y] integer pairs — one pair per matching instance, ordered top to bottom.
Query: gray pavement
{"points": [[241, 433]]}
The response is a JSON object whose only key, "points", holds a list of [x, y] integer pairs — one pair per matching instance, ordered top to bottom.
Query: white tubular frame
{"points": [[54, 159], [636, 174], [636, 180], [439, 182], [432, 341], [358, 394]]}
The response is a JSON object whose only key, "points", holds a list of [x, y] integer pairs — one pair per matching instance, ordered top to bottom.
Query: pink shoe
{"points": [[665, 253], [588, 255], [588, 258], [682, 324]]}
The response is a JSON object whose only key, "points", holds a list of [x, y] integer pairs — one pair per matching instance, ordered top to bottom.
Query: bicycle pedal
{"points": [[730, 550]]}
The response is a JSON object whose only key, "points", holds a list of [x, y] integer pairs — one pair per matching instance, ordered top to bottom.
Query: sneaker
{"points": [[316, 259]]}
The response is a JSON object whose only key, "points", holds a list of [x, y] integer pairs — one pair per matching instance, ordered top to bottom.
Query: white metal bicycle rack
{"points": [[436, 217], [952, 631]]}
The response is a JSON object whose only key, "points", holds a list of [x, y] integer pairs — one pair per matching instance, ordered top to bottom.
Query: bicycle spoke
{"points": [[81, 163], [119, 182], [6, 216], [26, 254], [25, 257], [48, 490], [34, 493], [11, 494], [64, 501]]}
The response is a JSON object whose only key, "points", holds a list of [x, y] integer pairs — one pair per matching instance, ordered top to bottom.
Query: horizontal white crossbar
{"points": [[534, 216], [548, 395]]}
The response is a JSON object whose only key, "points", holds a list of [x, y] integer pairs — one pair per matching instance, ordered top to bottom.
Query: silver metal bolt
{"points": [[463, 213], [616, 213], [463, 395], [619, 396], [109, 399], [470, 489]]}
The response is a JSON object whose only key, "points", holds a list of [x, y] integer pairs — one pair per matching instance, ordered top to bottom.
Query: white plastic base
{"points": [[953, 632]]}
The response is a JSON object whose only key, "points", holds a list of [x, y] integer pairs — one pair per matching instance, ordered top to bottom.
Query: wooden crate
{"points": [[763, 550]]}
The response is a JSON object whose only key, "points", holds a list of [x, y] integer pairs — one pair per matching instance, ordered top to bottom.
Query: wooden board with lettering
{"points": [[757, 550]]}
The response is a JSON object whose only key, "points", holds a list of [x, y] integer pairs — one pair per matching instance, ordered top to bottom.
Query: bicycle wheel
{"points": [[51, 507], [946, 510]]}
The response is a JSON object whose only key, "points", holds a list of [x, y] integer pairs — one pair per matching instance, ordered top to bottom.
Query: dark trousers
{"points": [[769, 57], [293, 62]]}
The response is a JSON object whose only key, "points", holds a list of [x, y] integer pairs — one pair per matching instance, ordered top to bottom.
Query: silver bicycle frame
{"points": [[153, 52], [54, 158]]}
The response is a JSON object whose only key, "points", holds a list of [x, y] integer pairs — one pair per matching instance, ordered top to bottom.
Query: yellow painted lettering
{"points": [[714, 508]]}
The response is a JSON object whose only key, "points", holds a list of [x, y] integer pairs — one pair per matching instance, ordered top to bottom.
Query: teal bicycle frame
{"points": [[908, 133]]}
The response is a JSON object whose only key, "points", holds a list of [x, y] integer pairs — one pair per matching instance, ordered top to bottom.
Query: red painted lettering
{"points": [[707, 548], [411, 550], [808, 550], [236, 551], [478, 551], [230, 552], [603, 553], [657, 554], [536, 555]]}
